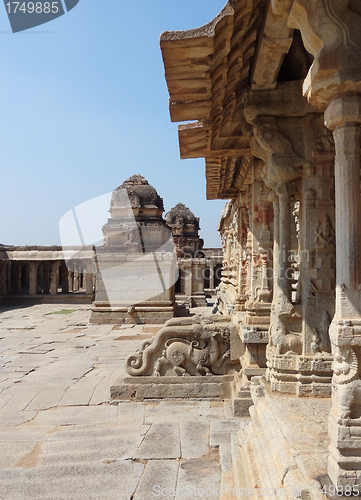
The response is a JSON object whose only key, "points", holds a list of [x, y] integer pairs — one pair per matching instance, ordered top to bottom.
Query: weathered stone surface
{"points": [[194, 439], [161, 442], [159, 476]]}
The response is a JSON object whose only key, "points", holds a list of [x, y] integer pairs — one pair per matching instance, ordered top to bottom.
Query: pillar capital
{"points": [[331, 32], [342, 110]]}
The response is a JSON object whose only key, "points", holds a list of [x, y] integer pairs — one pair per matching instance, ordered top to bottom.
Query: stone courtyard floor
{"points": [[61, 439]]}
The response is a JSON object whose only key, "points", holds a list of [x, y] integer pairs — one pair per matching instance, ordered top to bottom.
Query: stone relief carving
{"points": [[323, 138], [276, 149], [325, 234], [282, 339], [321, 341], [185, 346], [179, 351], [347, 379]]}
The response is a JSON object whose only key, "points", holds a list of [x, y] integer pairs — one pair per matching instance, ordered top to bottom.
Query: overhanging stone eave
{"points": [[207, 30], [274, 41], [191, 91]]}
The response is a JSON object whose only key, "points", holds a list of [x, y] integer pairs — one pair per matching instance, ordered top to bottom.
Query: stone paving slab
{"points": [[78, 415], [13, 418], [194, 438], [161, 442], [199, 478], [158, 480], [113, 481]]}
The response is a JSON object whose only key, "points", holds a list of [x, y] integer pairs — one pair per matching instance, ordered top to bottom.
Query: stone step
{"points": [[268, 470]]}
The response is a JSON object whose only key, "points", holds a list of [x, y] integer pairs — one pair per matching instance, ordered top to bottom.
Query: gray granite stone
{"points": [[161, 442]]}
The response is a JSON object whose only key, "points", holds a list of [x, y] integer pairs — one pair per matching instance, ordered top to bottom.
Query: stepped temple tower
{"points": [[136, 266]]}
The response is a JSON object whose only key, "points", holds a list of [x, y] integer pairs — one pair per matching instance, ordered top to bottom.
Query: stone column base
{"points": [[300, 375], [344, 466]]}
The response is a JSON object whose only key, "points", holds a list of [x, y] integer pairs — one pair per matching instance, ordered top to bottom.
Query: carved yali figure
{"points": [[186, 346], [346, 378]]}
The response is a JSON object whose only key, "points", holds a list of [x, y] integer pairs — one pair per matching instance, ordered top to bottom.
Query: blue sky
{"points": [[84, 105]]}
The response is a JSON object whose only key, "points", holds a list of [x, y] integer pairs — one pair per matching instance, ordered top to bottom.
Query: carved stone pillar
{"points": [[343, 116], [242, 260], [211, 275], [33, 278], [54, 278], [188, 279], [71, 281], [76, 281], [230, 294], [198, 298], [254, 331], [284, 337]]}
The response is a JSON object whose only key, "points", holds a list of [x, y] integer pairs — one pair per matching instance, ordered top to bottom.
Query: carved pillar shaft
{"points": [[343, 116], [276, 212], [348, 212], [54, 279], [283, 281]]}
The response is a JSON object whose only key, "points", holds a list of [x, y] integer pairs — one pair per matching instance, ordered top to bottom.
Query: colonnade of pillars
{"points": [[38, 277]]}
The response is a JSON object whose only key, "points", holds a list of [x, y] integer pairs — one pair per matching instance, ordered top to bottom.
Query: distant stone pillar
{"points": [[343, 116], [3, 272], [211, 275], [46, 277], [33, 278], [64, 278], [89, 279], [188, 279], [54, 280], [71, 280], [76, 281], [198, 295]]}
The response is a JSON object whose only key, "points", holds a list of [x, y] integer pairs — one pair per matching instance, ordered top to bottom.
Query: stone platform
{"points": [[200, 387]]}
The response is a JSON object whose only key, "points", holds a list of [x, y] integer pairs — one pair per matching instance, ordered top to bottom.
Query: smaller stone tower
{"points": [[185, 227]]}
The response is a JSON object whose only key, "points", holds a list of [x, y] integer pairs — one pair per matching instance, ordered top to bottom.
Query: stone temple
{"points": [[270, 96]]}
